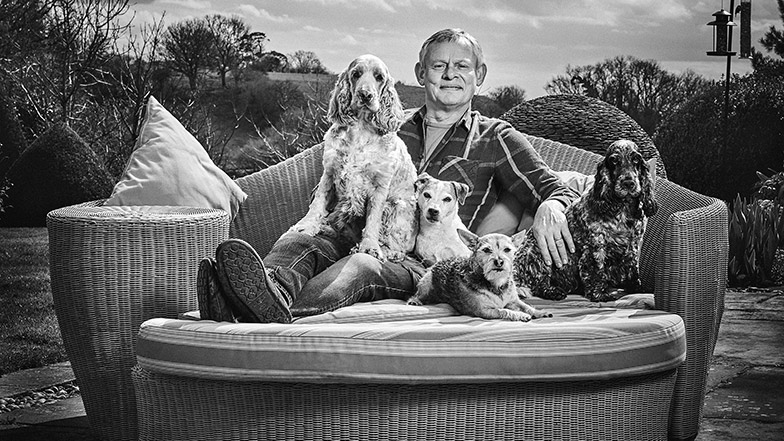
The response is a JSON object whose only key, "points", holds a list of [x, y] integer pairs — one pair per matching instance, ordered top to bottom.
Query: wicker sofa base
{"points": [[184, 408]]}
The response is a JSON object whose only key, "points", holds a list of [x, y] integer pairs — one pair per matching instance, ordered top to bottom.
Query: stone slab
{"points": [[759, 342], [35, 379], [757, 394]]}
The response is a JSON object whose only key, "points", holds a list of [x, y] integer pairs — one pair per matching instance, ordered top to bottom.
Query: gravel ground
{"points": [[39, 398]]}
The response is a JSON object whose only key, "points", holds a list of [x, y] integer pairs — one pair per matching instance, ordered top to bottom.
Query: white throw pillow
{"points": [[170, 167]]}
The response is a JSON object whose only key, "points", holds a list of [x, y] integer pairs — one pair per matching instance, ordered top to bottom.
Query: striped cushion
{"points": [[388, 341]]}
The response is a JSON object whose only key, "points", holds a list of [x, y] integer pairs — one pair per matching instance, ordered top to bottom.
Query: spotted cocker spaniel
{"points": [[366, 191], [607, 225]]}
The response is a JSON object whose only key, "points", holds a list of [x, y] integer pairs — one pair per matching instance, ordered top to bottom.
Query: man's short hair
{"points": [[454, 35]]}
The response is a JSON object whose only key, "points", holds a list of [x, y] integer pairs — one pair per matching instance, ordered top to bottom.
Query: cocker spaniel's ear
{"points": [[339, 111], [390, 113], [602, 186], [647, 194]]}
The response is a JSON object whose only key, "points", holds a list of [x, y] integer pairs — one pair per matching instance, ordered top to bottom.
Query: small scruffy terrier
{"points": [[437, 203], [480, 285]]}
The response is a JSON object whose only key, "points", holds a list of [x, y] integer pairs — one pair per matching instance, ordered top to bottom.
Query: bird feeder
{"points": [[721, 31]]}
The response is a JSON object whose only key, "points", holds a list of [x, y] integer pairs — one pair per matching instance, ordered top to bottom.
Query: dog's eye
{"points": [[356, 74], [379, 77], [426, 195], [447, 199], [486, 250], [507, 250]]}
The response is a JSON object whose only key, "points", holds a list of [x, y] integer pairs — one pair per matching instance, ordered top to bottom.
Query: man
{"points": [[304, 275]]}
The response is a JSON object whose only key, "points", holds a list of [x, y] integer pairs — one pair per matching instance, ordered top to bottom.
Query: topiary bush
{"points": [[692, 143], [57, 170]]}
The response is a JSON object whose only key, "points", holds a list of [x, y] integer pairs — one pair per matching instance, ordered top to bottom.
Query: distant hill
{"points": [[410, 96]]}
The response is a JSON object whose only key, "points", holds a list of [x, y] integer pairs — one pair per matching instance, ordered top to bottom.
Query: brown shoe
{"points": [[252, 294], [212, 303]]}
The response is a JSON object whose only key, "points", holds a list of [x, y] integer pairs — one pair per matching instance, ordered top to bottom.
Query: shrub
{"points": [[12, 140], [692, 143], [57, 170], [756, 230]]}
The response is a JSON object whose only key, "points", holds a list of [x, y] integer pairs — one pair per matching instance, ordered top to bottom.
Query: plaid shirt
{"points": [[496, 157]]}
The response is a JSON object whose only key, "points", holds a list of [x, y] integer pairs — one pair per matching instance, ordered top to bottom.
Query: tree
{"points": [[22, 26], [80, 35], [229, 35], [773, 40], [189, 48], [251, 52], [303, 61], [273, 62], [53, 79], [641, 88], [508, 96], [12, 140]]}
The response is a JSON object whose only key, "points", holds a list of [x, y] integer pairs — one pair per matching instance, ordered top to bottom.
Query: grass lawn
{"points": [[29, 333]]}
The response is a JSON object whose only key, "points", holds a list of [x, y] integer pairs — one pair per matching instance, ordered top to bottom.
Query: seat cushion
{"points": [[389, 341]]}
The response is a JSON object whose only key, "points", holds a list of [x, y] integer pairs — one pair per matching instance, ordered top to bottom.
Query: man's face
{"points": [[450, 76]]}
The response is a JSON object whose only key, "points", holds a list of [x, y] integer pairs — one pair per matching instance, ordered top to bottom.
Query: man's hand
{"points": [[552, 233]]}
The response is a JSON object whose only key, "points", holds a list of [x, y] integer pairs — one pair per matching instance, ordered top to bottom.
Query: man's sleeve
{"points": [[523, 173]]}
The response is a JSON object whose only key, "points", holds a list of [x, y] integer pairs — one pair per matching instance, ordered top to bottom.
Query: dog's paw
{"points": [[309, 228], [370, 247], [395, 256], [414, 301], [541, 314], [515, 316]]}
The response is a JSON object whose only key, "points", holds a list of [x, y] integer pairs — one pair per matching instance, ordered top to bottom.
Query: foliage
{"points": [[22, 26], [773, 40], [189, 48], [305, 62], [641, 88], [507, 96], [297, 126], [12, 140], [727, 155], [57, 170], [4, 187], [770, 188], [756, 231]]}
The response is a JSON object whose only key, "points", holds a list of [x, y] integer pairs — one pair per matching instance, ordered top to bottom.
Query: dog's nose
{"points": [[365, 95], [628, 184], [433, 212], [499, 263]]}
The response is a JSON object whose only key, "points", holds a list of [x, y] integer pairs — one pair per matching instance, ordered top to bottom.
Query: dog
{"points": [[368, 180], [437, 203], [607, 224], [480, 285]]}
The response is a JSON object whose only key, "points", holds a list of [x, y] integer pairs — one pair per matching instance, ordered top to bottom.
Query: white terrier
{"points": [[438, 202]]}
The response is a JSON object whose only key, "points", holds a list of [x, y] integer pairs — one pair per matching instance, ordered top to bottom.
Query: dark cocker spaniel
{"points": [[607, 224]]}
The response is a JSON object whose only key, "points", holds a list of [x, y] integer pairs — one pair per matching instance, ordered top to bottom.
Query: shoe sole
{"points": [[246, 284], [212, 305]]}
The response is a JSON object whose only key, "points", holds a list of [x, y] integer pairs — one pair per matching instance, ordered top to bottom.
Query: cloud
{"points": [[190, 4], [383, 5], [247, 9], [349, 40]]}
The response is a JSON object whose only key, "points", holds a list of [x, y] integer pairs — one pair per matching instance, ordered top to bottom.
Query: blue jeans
{"points": [[319, 274]]}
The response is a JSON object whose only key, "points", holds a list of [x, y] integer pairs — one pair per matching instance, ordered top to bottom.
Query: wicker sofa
{"points": [[684, 261]]}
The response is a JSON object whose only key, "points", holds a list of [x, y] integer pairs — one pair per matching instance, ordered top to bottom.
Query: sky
{"points": [[526, 43]]}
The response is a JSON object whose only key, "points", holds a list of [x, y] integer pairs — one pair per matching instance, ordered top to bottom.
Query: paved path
{"points": [[745, 399]]}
